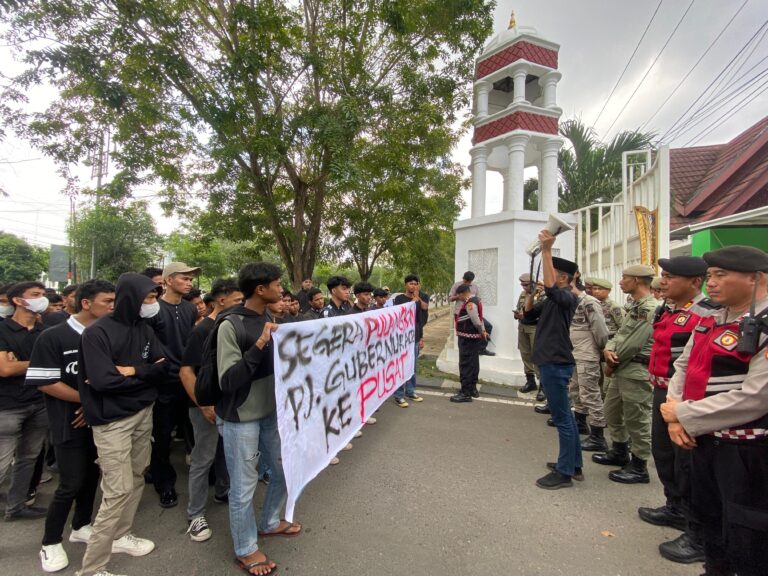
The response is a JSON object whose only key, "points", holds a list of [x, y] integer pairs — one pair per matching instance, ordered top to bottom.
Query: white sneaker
{"points": [[371, 420], [358, 433], [83, 534], [132, 545], [53, 557], [100, 573]]}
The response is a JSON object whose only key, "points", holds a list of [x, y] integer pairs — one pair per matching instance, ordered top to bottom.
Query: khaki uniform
{"points": [[613, 314], [526, 334], [589, 335], [629, 394]]}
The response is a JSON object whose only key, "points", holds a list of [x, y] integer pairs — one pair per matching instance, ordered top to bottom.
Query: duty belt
{"points": [[644, 360]]}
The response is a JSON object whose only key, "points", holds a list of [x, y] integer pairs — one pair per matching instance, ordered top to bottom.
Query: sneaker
{"points": [[415, 398], [401, 402], [371, 420], [358, 434], [347, 447], [334, 461], [578, 474], [46, 477], [554, 480], [31, 496], [26, 513], [198, 529], [82, 534], [132, 545], [53, 557], [99, 573]]}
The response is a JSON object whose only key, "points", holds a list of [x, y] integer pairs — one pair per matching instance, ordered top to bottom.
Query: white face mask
{"points": [[37, 305], [7, 310], [149, 310]]}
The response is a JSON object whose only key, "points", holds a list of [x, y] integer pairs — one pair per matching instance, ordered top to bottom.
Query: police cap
{"points": [[738, 259], [563, 265], [689, 266], [639, 271], [599, 282]]}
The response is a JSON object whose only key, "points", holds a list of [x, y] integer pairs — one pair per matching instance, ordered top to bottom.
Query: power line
{"points": [[679, 22], [679, 84], [709, 86], [594, 123]]}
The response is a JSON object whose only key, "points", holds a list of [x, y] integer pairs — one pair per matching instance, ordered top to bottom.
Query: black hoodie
{"points": [[120, 339]]}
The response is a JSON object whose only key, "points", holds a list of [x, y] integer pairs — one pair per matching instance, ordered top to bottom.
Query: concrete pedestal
{"points": [[493, 247]]}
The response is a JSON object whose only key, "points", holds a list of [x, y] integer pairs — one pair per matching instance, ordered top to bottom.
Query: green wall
{"points": [[715, 238]]}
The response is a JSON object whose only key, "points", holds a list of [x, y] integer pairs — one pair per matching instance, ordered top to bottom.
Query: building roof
{"points": [[708, 182]]}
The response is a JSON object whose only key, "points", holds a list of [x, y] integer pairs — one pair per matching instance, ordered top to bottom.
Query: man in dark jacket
{"points": [[121, 362]]}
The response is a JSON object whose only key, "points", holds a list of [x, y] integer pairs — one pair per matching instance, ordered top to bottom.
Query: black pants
{"points": [[488, 328], [469, 363], [163, 421], [78, 480], [729, 499]]}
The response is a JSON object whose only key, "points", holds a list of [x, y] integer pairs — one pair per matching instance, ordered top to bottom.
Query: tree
{"points": [[256, 105], [590, 171], [123, 235], [19, 260]]}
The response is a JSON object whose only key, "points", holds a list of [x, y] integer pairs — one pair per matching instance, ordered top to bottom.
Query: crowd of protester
{"points": [[96, 382]]}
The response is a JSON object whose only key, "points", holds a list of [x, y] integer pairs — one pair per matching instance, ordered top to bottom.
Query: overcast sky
{"points": [[597, 38]]}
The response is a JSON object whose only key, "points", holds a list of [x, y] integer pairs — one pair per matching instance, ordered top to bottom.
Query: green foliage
{"points": [[260, 107], [590, 171], [123, 235], [20, 261]]}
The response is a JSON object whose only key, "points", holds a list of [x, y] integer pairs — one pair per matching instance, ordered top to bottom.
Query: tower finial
{"points": [[512, 21]]}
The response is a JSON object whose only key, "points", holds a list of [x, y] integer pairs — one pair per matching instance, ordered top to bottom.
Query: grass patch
{"points": [[426, 366]]}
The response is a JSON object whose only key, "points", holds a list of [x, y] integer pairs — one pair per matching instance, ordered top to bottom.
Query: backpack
{"points": [[207, 389]]}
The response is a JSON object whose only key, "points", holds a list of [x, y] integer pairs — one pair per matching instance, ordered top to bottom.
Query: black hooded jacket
{"points": [[120, 339]]}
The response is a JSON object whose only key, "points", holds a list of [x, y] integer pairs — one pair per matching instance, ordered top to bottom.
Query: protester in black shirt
{"points": [[338, 287], [413, 293], [303, 295], [363, 295], [195, 296], [380, 297], [316, 304], [175, 322], [552, 353], [120, 365], [53, 370], [23, 420], [208, 450]]}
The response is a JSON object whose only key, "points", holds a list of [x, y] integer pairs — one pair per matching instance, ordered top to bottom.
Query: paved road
{"points": [[435, 489]]}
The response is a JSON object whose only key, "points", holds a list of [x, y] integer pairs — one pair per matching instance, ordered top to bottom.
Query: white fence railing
{"points": [[634, 228]]}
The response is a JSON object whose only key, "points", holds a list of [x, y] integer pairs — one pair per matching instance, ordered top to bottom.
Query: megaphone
{"points": [[556, 226]]}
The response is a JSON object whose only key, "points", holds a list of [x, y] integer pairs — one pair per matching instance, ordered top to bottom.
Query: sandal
{"points": [[292, 529], [247, 568]]}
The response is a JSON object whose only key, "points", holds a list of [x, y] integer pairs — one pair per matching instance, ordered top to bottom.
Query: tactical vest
{"points": [[464, 326], [671, 331], [716, 366]]}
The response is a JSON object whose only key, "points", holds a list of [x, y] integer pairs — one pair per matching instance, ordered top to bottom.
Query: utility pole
{"points": [[99, 169]]}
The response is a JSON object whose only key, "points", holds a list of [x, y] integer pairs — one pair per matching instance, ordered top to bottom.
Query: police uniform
{"points": [[612, 312], [672, 327], [469, 330], [526, 334], [589, 335], [629, 394], [722, 395]]}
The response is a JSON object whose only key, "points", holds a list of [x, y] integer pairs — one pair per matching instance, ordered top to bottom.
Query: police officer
{"points": [[680, 284], [612, 312], [471, 333], [526, 333], [589, 335], [629, 394], [717, 407]]}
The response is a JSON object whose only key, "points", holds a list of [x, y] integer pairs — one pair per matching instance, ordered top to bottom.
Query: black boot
{"points": [[530, 384], [540, 396], [542, 408], [581, 422], [596, 440], [618, 455], [636, 472], [663, 516], [682, 549]]}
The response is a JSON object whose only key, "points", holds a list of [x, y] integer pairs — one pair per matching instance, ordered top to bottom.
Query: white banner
{"points": [[330, 376]]}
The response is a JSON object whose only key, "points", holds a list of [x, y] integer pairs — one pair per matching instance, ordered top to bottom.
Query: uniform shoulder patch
{"points": [[728, 340]]}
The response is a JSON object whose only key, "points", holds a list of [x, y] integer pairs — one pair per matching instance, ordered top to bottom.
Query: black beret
{"points": [[738, 259], [564, 265], [689, 266]]}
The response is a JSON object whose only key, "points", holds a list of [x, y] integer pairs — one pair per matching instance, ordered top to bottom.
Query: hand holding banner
{"points": [[330, 375]]}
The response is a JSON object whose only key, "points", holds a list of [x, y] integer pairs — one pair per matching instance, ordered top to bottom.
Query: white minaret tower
{"points": [[515, 127]]}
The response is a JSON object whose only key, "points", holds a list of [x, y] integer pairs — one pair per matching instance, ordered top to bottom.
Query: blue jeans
{"points": [[554, 381], [409, 388], [245, 443]]}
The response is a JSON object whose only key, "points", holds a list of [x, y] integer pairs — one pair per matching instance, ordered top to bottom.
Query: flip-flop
{"points": [[284, 532], [248, 567]]}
